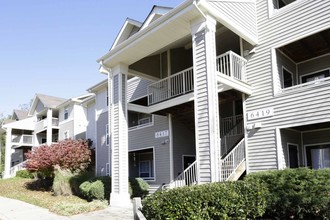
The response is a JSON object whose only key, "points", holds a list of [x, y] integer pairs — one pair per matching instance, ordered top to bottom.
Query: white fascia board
{"points": [[165, 19], [226, 22], [127, 27], [235, 84], [98, 86], [33, 105], [160, 106], [25, 124]]}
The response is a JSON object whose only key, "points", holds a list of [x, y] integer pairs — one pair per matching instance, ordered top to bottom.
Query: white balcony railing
{"points": [[232, 65], [182, 82], [172, 86], [299, 87], [42, 125], [22, 139], [232, 161], [16, 168], [186, 178]]}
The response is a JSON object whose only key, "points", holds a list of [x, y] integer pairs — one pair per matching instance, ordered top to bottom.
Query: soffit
{"points": [[161, 33], [309, 47]]}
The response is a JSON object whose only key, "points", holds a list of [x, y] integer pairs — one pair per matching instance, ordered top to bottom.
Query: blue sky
{"points": [[51, 46]]}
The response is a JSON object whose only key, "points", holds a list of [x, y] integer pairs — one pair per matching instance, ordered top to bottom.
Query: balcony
{"points": [[230, 67], [42, 125], [21, 140]]}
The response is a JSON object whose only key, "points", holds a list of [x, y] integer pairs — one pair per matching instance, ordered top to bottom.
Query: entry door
{"points": [[293, 155], [187, 161]]}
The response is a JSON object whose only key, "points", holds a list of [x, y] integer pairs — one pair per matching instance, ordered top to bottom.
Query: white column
{"points": [[206, 99], [49, 122], [119, 136], [8, 154]]}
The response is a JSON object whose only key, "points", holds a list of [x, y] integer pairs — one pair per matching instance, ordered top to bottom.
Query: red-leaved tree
{"points": [[68, 154]]}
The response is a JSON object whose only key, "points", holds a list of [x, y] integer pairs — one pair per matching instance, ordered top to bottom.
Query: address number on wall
{"points": [[261, 113]]}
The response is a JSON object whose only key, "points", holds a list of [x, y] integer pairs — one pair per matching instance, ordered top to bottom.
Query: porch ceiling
{"points": [[172, 27], [309, 47], [312, 126]]}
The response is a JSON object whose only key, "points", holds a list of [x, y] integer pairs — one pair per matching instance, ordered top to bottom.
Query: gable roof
{"points": [[155, 13], [129, 28], [98, 86], [46, 100], [76, 100], [19, 114]]}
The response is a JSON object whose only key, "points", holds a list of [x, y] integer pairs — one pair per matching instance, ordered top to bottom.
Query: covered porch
{"points": [[306, 146]]}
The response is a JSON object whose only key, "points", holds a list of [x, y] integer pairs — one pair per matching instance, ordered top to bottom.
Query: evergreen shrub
{"points": [[24, 174], [295, 193], [226, 200]]}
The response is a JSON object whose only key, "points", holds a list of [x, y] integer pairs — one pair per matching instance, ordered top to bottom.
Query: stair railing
{"points": [[231, 137], [232, 161], [186, 178]]}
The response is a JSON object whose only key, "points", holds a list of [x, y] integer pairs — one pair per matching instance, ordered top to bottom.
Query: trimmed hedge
{"points": [[24, 174], [138, 187], [92, 190], [296, 193], [228, 200]]}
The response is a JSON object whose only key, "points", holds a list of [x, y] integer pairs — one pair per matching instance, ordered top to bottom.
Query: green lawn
{"points": [[16, 188]]}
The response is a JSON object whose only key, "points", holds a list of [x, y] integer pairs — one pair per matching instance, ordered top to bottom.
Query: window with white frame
{"points": [[282, 3], [315, 76], [66, 114], [136, 119], [66, 135], [107, 136], [145, 168], [107, 169]]}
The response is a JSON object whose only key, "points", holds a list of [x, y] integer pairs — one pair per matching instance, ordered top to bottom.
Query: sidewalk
{"points": [[11, 209]]}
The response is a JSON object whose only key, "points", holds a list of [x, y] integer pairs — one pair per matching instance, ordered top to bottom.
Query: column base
{"points": [[120, 200]]}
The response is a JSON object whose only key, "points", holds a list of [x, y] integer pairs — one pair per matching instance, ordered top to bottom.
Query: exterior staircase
{"points": [[232, 162]]}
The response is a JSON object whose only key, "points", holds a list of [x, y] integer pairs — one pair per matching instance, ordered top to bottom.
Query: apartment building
{"points": [[246, 82], [48, 120]]}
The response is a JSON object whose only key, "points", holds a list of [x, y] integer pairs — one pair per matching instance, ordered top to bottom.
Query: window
{"points": [[281, 3], [315, 76], [287, 78], [107, 96], [66, 114], [136, 119], [107, 134], [66, 135], [318, 156], [145, 168], [107, 169]]}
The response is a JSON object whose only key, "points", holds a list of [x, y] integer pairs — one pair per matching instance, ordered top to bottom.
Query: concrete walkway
{"points": [[11, 209]]}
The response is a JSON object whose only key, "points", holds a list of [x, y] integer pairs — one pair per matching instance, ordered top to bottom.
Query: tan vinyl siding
{"points": [[305, 106]]}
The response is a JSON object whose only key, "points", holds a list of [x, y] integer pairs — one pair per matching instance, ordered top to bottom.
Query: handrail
{"points": [[232, 65], [172, 86], [229, 123], [22, 139], [232, 161], [16, 168], [186, 178]]}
